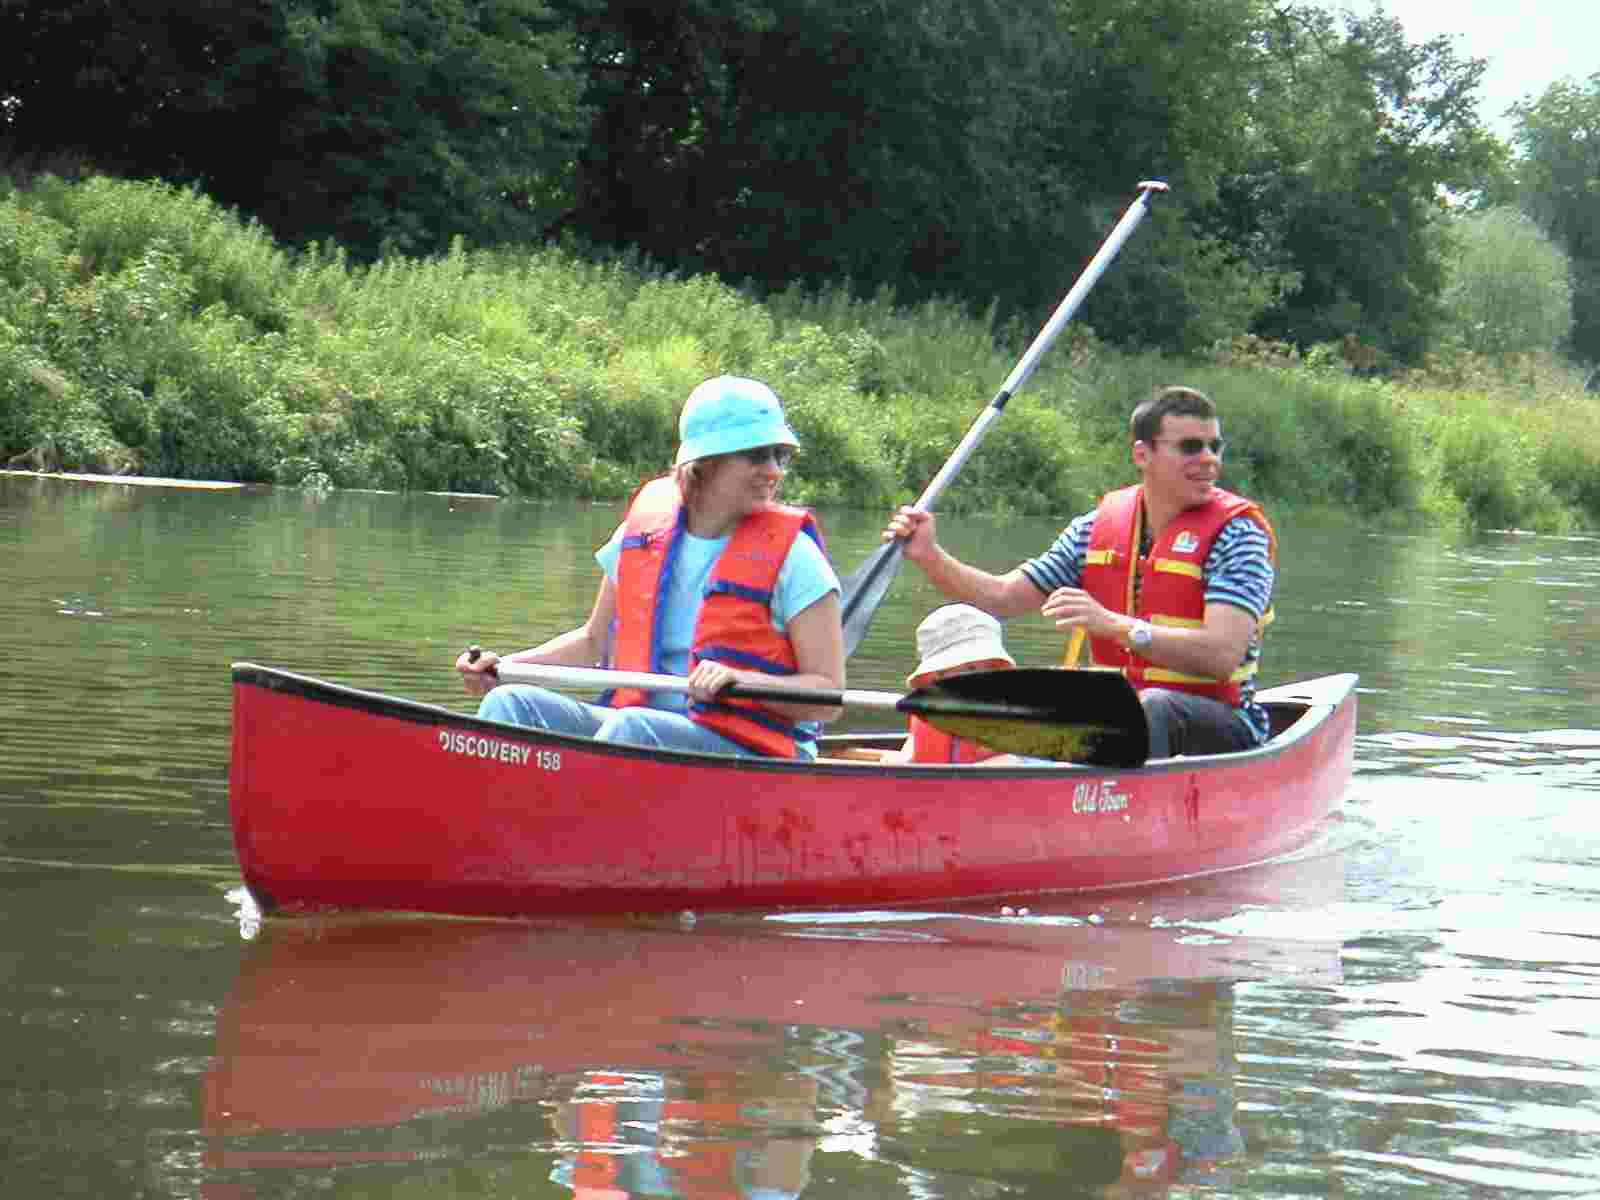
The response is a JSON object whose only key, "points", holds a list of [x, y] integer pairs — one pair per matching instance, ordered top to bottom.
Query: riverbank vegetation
{"points": [[491, 245], [144, 328]]}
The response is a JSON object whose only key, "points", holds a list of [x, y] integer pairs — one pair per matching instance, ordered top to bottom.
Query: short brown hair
{"points": [[1175, 401]]}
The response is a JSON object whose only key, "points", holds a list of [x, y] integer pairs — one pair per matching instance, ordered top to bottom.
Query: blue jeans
{"points": [[539, 708], [1185, 724]]}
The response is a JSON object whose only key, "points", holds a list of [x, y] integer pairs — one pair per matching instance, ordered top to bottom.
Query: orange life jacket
{"points": [[1171, 587], [734, 624], [930, 745], [1096, 1054], [705, 1166], [594, 1171], [601, 1171]]}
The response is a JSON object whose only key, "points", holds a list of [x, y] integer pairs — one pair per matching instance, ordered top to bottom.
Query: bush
{"points": [[1509, 286], [142, 328]]}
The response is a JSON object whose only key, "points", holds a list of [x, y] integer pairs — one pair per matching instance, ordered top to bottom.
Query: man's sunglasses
{"points": [[1189, 447], [781, 456]]}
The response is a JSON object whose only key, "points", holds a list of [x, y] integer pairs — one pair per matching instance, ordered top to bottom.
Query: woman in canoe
{"points": [[707, 577]]}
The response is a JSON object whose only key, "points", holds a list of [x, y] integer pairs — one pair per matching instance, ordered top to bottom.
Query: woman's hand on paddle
{"points": [[916, 530], [477, 670], [710, 677]]}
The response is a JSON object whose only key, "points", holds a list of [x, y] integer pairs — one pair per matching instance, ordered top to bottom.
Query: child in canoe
{"points": [[953, 640]]}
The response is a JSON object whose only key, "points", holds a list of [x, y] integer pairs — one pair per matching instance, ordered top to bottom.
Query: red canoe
{"points": [[347, 799]]}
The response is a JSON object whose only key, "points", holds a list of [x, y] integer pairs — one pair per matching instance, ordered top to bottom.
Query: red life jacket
{"points": [[1171, 587], [734, 624], [930, 745]]}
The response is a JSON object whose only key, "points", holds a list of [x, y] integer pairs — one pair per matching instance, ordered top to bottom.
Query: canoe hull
{"points": [[344, 799]]}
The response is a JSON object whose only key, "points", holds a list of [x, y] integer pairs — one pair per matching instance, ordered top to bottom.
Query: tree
{"points": [[1162, 89], [371, 122], [1355, 132], [810, 141], [978, 151], [1558, 185], [1510, 287]]}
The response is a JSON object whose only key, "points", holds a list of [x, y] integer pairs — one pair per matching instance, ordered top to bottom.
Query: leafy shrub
{"points": [[1509, 286], [143, 328], [730, 329], [46, 421], [1489, 473]]}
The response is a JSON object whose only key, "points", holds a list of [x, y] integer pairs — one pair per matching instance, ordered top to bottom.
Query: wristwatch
{"points": [[1140, 636]]}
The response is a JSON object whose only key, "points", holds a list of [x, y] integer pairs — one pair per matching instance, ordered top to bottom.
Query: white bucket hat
{"points": [[727, 414], [955, 636]]}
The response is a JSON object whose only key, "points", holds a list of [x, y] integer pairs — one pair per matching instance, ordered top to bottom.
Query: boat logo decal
{"points": [[1185, 543], [454, 741], [1099, 796]]}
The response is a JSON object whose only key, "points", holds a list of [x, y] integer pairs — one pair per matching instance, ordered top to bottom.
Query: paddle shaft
{"points": [[1042, 342], [865, 588], [590, 677]]}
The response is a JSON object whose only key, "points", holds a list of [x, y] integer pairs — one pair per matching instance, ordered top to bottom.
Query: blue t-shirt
{"points": [[1238, 571], [805, 577]]}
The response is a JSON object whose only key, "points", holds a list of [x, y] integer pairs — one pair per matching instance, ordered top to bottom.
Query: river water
{"points": [[1405, 1009]]}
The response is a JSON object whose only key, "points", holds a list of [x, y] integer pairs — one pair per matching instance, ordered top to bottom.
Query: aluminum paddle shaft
{"points": [[1042, 341], [866, 587], [600, 680]]}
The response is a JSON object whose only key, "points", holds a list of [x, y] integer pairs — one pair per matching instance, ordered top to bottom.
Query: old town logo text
{"points": [[1100, 796]]}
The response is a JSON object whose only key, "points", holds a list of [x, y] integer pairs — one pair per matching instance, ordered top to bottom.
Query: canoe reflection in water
{"points": [[760, 1058]]}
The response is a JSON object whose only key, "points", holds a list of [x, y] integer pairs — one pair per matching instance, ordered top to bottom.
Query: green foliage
{"points": [[380, 123], [1353, 131], [821, 141], [969, 153], [1558, 185], [1510, 286], [1183, 290], [731, 328], [547, 374], [46, 420], [1566, 459], [1490, 475]]}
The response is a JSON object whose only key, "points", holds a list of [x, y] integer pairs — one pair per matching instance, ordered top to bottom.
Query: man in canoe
{"points": [[707, 577], [1170, 580]]}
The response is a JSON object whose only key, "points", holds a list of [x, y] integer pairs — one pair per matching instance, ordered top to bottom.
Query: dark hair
{"points": [[1145, 423]]}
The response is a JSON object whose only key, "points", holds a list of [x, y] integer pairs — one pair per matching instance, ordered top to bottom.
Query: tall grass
{"points": [[142, 328]]}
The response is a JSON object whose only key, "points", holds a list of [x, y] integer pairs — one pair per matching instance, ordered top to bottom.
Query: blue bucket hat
{"points": [[728, 413]]}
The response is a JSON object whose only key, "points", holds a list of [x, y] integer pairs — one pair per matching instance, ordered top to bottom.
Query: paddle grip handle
{"points": [[474, 653]]}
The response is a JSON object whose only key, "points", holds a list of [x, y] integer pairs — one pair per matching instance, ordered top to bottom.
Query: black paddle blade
{"points": [[865, 590], [1081, 716]]}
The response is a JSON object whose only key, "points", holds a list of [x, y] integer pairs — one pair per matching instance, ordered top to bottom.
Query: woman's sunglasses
{"points": [[1189, 447], [781, 456]]}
